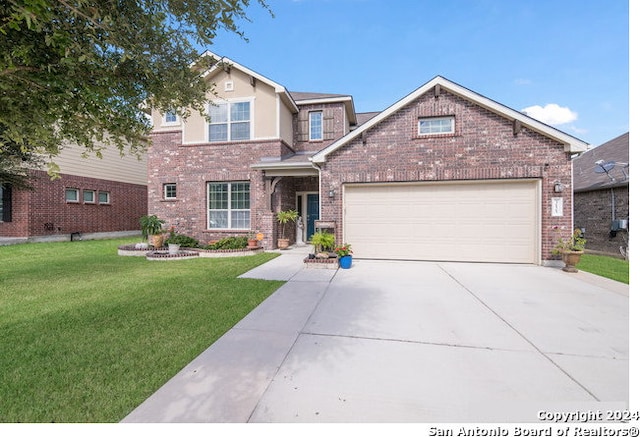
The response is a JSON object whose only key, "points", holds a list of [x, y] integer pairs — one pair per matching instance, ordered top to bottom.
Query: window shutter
{"points": [[303, 127], [328, 129], [6, 203]]}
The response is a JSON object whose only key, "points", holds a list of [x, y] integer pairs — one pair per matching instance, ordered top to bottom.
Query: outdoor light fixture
{"points": [[558, 187], [332, 194]]}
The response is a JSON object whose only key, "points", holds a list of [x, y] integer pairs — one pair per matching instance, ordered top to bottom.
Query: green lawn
{"points": [[607, 266], [87, 335]]}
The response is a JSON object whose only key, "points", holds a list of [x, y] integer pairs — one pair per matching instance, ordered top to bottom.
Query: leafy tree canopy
{"points": [[81, 70]]}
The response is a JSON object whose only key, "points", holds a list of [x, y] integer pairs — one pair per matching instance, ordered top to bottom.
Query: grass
{"points": [[607, 266], [87, 335]]}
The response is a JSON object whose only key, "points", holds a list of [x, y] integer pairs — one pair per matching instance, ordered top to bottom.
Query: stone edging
{"points": [[187, 253]]}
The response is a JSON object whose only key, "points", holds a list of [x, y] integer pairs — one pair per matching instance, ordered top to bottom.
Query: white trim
{"points": [[321, 112], [442, 117], [571, 144]]}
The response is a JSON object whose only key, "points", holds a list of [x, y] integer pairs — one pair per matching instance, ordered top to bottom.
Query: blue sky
{"points": [[567, 61]]}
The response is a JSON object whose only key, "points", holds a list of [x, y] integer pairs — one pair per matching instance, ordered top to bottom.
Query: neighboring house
{"points": [[442, 174], [601, 195], [93, 198]]}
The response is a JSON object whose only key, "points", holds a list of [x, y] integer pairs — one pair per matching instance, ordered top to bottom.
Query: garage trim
{"points": [[515, 202]]}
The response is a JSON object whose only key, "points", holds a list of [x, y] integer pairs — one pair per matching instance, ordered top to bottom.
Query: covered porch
{"points": [[291, 182]]}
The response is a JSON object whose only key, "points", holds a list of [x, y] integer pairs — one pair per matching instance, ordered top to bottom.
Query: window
{"points": [[170, 117], [230, 121], [315, 125], [436, 125], [169, 191], [71, 195], [89, 196], [103, 197], [5, 203], [229, 205]]}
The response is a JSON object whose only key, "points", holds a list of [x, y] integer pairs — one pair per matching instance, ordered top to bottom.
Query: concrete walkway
{"points": [[391, 341]]}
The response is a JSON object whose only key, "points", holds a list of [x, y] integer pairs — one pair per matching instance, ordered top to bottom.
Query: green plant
{"points": [[285, 217], [150, 225], [182, 240], [323, 241], [229, 243], [576, 243], [344, 250]]}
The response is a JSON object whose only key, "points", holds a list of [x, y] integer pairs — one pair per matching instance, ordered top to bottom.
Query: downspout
{"points": [[613, 205]]}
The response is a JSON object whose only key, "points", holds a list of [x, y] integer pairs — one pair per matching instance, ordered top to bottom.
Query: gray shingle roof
{"points": [[300, 96], [616, 150]]}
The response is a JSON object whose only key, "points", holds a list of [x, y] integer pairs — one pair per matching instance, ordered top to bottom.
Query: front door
{"points": [[313, 212]]}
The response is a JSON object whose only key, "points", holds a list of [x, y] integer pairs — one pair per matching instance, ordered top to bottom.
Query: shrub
{"points": [[183, 240], [229, 243]]}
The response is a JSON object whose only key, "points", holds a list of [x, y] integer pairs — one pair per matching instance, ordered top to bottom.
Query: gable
{"points": [[440, 84]]}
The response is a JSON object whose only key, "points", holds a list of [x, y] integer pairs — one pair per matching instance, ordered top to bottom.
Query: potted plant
{"points": [[285, 217], [151, 227], [252, 240], [173, 241], [323, 241], [571, 250], [345, 256]]}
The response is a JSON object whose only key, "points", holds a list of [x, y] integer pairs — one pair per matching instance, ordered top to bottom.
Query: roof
{"points": [[225, 61], [571, 143], [588, 175]]}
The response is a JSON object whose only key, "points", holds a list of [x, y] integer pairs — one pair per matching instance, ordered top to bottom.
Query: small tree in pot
{"points": [[285, 217], [151, 226], [571, 250]]}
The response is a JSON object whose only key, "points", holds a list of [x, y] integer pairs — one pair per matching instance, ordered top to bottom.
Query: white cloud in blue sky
{"points": [[551, 113]]}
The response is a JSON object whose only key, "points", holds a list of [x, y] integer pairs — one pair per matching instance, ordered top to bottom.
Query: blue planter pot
{"points": [[345, 261]]}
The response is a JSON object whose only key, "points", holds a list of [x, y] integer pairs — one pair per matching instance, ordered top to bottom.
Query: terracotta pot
{"points": [[157, 241], [252, 243], [283, 243], [571, 259]]}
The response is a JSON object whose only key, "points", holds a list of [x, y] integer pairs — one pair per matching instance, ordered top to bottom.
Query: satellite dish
{"points": [[604, 167]]}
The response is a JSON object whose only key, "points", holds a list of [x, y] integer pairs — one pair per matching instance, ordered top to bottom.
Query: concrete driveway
{"points": [[391, 341]]}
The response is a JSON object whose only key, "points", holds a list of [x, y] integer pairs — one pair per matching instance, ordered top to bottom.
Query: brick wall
{"points": [[334, 126], [483, 147], [190, 167], [44, 211], [593, 212]]}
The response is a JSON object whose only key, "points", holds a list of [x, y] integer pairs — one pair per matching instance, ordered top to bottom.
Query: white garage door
{"points": [[479, 221]]}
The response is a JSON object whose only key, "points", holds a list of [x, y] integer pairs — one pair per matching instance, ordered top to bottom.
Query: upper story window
{"points": [[170, 118], [230, 121], [315, 125], [436, 125]]}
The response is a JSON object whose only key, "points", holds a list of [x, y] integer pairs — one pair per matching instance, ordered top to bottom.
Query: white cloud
{"points": [[551, 113]]}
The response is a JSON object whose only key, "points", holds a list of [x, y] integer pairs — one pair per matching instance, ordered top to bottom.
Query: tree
{"points": [[81, 71]]}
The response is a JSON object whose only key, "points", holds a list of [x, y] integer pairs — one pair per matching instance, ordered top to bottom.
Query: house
{"points": [[442, 174], [601, 195], [93, 198]]}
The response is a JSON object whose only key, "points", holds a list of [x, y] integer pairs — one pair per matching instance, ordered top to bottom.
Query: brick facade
{"points": [[483, 147], [191, 167], [45, 212], [593, 213]]}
